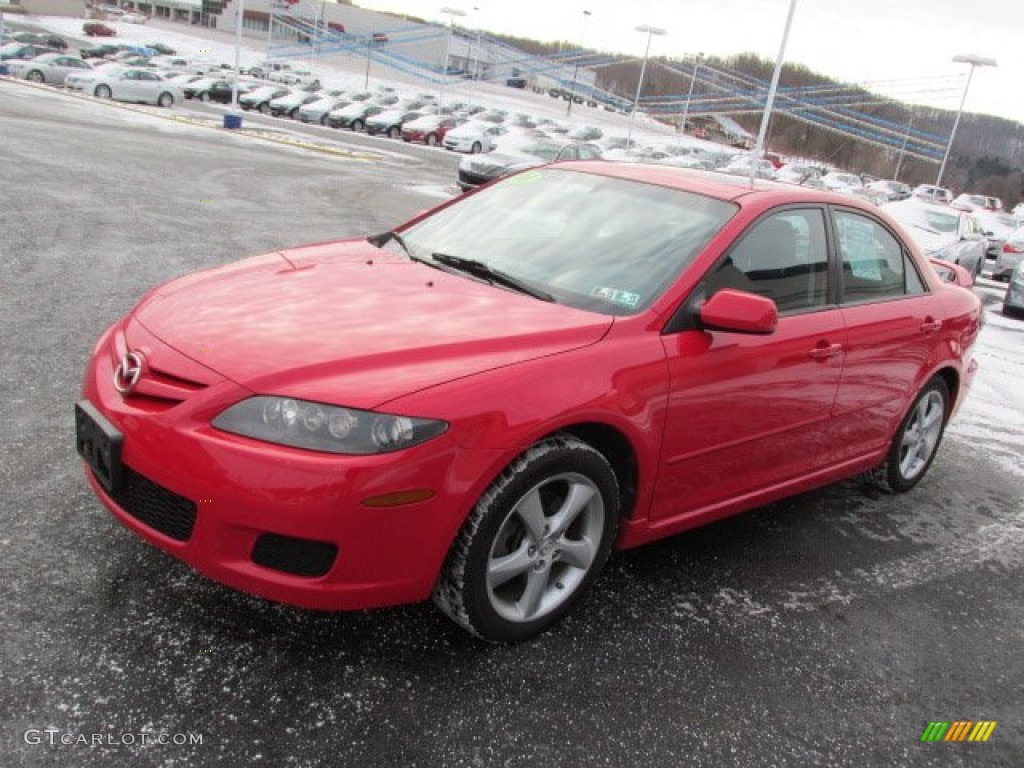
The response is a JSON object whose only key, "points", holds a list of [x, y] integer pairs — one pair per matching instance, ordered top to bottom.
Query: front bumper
{"points": [[284, 524]]}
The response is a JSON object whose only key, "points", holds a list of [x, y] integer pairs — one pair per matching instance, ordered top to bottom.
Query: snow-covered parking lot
{"points": [[826, 630]]}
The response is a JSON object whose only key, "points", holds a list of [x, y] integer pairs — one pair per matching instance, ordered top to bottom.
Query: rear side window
{"points": [[875, 266]]}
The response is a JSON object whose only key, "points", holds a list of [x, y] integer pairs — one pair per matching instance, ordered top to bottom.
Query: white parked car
{"points": [[133, 17], [48, 68], [303, 78], [83, 80], [142, 86], [474, 137], [741, 164], [838, 181], [933, 194]]}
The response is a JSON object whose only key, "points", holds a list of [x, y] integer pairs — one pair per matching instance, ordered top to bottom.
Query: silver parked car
{"points": [[48, 68], [137, 85], [943, 232], [1009, 256], [1013, 302]]}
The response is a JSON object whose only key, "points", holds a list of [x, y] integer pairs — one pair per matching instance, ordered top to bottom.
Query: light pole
{"points": [[451, 13], [651, 31], [270, 36], [369, 46], [238, 54], [974, 61], [473, 63], [576, 68], [689, 95], [766, 116], [903, 147]]}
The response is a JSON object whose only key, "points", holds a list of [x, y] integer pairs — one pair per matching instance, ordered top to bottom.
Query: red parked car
{"points": [[95, 29], [429, 129], [481, 404]]}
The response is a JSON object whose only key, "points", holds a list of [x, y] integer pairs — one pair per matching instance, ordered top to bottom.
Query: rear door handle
{"points": [[930, 325], [824, 351]]}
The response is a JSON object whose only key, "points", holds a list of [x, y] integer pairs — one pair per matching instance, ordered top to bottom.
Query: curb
{"points": [[255, 133]]}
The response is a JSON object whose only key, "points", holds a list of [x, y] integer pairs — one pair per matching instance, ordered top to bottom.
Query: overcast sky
{"points": [[907, 43]]}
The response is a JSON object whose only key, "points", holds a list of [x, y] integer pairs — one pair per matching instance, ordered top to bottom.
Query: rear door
{"points": [[891, 328]]}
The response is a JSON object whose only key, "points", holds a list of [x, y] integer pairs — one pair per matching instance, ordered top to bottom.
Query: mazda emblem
{"points": [[127, 373]]}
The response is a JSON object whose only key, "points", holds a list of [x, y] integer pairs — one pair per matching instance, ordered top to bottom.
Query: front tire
{"points": [[35, 76], [102, 92], [166, 100], [264, 108], [357, 125], [431, 140], [476, 149], [916, 441], [533, 543]]}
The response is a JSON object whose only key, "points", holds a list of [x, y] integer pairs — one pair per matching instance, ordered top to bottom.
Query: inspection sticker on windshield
{"points": [[525, 177], [622, 298]]}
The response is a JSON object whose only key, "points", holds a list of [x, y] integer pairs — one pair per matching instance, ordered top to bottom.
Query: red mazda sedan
{"points": [[482, 403]]}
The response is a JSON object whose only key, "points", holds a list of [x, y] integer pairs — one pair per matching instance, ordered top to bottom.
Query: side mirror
{"points": [[738, 312]]}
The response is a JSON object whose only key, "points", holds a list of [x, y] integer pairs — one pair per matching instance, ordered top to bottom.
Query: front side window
{"points": [[782, 257], [875, 265]]}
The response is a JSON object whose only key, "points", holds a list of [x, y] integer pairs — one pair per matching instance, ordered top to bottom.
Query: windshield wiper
{"points": [[926, 229], [383, 238], [494, 276]]}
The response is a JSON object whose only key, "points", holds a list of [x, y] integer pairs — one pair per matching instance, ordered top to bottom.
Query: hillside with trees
{"points": [[987, 156]]}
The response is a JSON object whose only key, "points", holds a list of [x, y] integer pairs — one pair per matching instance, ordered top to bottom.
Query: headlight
{"points": [[330, 428]]}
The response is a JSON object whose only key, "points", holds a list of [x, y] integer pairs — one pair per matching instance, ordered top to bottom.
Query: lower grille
{"points": [[153, 505], [301, 557]]}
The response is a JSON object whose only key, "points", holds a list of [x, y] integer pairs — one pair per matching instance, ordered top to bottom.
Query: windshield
{"points": [[591, 242]]}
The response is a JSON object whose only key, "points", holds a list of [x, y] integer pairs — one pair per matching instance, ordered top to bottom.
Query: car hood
{"points": [[930, 241], [348, 323]]}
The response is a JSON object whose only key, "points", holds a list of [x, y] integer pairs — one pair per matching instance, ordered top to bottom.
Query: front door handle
{"points": [[825, 350]]}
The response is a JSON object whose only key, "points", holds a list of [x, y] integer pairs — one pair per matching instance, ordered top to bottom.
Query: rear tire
{"points": [[102, 92], [166, 100], [264, 108], [357, 125], [394, 132], [431, 140], [476, 149], [916, 441], [533, 544]]}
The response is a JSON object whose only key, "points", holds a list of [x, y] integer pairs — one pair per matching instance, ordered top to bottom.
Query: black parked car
{"points": [[41, 38], [161, 48], [22, 51], [100, 51], [206, 89]]}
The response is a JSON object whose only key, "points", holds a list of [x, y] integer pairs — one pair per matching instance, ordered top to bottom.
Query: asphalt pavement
{"points": [[826, 630]]}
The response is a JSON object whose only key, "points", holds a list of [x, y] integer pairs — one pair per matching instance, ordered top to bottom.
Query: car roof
{"points": [[721, 186]]}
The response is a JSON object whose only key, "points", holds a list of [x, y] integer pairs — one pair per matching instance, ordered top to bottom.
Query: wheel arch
{"points": [[951, 378], [617, 450]]}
